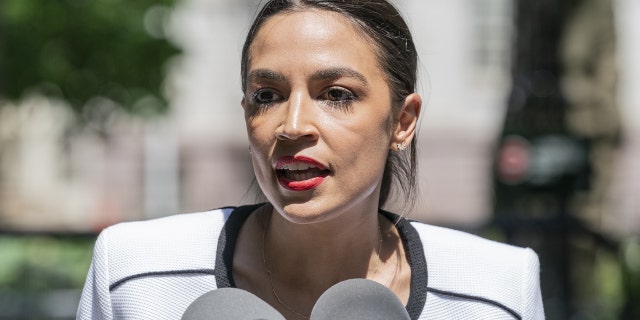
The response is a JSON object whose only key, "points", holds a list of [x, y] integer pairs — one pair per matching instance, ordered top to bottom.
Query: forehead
{"points": [[312, 33]]}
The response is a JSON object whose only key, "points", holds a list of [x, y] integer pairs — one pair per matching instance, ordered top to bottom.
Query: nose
{"points": [[299, 120]]}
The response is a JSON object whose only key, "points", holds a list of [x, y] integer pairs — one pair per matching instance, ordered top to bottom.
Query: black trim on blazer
{"points": [[227, 245], [417, 261], [223, 271], [116, 284], [476, 298]]}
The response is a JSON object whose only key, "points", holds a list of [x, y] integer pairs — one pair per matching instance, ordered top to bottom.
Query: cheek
{"points": [[373, 127], [260, 133], [364, 142], [260, 144], [259, 153]]}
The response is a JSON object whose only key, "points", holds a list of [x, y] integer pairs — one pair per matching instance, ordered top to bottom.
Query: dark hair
{"points": [[398, 58]]}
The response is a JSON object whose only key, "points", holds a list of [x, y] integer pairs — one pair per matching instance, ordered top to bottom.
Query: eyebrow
{"points": [[335, 73], [265, 74], [324, 74]]}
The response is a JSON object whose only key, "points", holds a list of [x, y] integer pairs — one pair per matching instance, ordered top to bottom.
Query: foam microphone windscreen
{"points": [[359, 299], [230, 304]]}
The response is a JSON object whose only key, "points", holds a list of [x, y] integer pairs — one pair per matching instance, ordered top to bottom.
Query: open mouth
{"points": [[300, 173]]}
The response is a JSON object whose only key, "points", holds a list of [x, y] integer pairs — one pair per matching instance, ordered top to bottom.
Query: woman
{"points": [[331, 114]]}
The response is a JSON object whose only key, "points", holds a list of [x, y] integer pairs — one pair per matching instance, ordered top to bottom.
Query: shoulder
{"points": [[171, 226], [184, 241], [444, 244], [158, 267], [469, 269]]}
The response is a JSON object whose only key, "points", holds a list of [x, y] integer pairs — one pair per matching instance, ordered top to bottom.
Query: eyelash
{"points": [[256, 100], [345, 103]]}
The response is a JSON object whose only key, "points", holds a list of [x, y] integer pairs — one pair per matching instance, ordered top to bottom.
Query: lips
{"points": [[300, 173]]}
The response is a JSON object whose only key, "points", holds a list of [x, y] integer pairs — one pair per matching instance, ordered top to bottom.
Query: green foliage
{"points": [[80, 49], [630, 258], [37, 264], [41, 276]]}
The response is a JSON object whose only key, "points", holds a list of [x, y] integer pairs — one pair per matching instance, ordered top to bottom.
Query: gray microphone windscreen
{"points": [[359, 299], [230, 304]]}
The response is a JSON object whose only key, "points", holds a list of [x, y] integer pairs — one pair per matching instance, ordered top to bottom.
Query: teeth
{"points": [[297, 166], [300, 171], [299, 176]]}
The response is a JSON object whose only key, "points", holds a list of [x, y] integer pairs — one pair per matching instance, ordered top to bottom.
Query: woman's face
{"points": [[318, 115]]}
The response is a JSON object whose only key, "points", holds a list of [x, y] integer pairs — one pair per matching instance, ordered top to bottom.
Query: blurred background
{"points": [[114, 110]]}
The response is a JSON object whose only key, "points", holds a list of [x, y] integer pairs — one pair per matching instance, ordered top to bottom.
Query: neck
{"points": [[327, 252], [302, 261]]}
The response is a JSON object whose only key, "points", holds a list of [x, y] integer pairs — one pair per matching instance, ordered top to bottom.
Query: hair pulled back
{"points": [[382, 23]]}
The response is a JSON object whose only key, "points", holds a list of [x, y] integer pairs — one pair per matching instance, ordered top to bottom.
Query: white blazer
{"points": [[154, 269]]}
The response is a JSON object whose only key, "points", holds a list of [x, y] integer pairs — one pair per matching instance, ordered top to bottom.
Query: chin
{"points": [[303, 212], [300, 213]]}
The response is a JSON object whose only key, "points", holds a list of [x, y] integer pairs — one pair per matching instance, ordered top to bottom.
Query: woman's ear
{"points": [[405, 128]]}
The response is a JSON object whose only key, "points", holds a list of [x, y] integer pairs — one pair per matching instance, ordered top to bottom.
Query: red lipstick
{"points": [[300, 173]]}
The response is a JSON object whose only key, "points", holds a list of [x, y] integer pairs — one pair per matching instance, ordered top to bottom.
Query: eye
{"points": [[335, 94], [265, 97], [338, 97]]}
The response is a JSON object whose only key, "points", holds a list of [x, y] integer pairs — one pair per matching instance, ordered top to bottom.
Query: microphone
{"points": [[359, 299], [230, 304]]}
